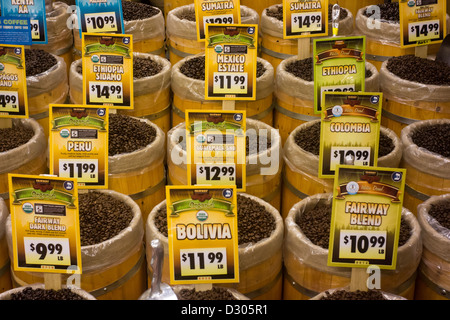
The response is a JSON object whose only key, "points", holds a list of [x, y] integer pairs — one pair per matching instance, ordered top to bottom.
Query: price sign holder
{"points": [[35, 11], [215, 12], [100, 17], [303, 20], [422, 22], [231, 60], [107, 61], [339, 66], [13, 84], [350, 130], [79, 144], [216, 148], [366, 215], [45, 226], [202, 235]]}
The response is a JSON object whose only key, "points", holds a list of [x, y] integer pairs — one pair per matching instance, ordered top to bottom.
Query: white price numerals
{"points": [[219, 19], [101, 22], [306, 22], [419, 31], [35, 34], [230, 83], [105, 92], [9, 101], [357, 156], [84, 171], [219, 174], [362, 244], [47, 251], [203, 262]]}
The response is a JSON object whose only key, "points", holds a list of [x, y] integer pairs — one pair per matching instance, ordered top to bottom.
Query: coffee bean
{"points": [[138, 11], [389, 12], [187, 15], [38, 61], [142, 68], [195, 68], [421, 70], [127, 134], [17, 135], [434, 138], [309, 140], [441, 212], [102, 217], [255, 223], [315, 225], [29, 293], [216, 293], [353, 295]]}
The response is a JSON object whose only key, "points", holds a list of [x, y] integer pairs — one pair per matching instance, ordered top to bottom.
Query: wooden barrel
{"points": [[170, 5], [260, 5], [182, 33], [148, 35], [60, 37], [384, 42], [276, 49], [49, 87], [189, 93], [152, 95], [295, 98], [406, 102], [29, 158], [301, 168], [263, 170], [427, 173], [141, 174], [5, 262], [260, 263], [306, 265], [114, 269], [433, 281], [326, 293], [7, 295]]}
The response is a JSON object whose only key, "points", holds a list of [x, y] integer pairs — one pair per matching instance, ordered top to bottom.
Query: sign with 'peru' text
{"points": [[339, 66], [79, 144], [366, 214], [45, 224], [202, 234]]}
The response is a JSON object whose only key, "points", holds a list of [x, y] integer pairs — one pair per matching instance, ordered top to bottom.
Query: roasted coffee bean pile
{"points": [[138, 11], [389, 12], [278, 13], [187, 15], [38, 61], [142, 68], [195, 68], [304, 69], [416, 69], [127, 134], [17, 135], [434, 138], [309, 140], [259, 146], [441, 212], [102, 217], [254, 221], [315, 225], [29, 293], [216, 293], [353, 295]]}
